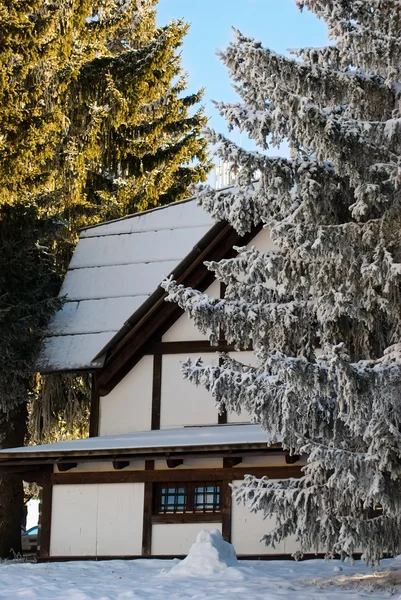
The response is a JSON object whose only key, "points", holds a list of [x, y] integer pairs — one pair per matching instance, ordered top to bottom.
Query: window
{"points": [[187, 498]]}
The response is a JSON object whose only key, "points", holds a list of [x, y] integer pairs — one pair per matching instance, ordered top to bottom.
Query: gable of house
{"points": [[115, 267], [152, 394]]}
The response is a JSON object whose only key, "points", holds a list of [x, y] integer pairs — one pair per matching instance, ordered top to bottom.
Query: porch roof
{"points": [[161, 441]]}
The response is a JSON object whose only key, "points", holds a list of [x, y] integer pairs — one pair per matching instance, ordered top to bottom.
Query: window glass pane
{"points": [[189, 498], [207, 498], [172, 499]]}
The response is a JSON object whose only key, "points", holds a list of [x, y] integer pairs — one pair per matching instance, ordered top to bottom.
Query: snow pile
{"points": [[208, 556]]}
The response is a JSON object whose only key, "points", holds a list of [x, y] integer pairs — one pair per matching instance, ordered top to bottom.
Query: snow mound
{"points": [[209, 555]]}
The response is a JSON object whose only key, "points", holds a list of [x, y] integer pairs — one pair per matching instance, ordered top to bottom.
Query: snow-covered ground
{"points": [[150, 580]]}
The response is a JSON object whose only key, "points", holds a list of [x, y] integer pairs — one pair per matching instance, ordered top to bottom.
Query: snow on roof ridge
{"points": [[149, 210], [138, 214]]}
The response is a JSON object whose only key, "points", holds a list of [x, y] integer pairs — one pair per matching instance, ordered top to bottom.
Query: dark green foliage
{"points": [[93, 125], [28, 289]]}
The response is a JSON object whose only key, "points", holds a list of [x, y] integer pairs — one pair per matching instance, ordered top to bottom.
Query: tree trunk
{"points": [[12, 434]]}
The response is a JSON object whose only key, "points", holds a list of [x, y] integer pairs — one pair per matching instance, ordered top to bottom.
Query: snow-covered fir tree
{"points": [[327, 334]]}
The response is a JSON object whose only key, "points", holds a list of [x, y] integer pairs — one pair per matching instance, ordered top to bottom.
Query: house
{"points": [[159, 461]]}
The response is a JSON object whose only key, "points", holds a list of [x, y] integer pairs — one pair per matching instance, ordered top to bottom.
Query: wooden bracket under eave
{"points": [[291, 459], [231, 461], [172, 463], [120, 464], [66, 466]]}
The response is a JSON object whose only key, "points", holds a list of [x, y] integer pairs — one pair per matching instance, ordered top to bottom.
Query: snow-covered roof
{"points": [[115, 267], [149, 441]]}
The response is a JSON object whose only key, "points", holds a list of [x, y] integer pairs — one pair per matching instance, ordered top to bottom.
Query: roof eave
{"points": [[159, 291], [125, 349], [52, 457]]}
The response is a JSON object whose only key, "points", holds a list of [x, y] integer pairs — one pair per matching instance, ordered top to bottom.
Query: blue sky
{"points": [[278, 24]]}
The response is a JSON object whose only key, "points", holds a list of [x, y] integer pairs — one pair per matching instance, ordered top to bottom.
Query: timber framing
{"points": [[142, 332], [194, 346], [156, 391], [94, 409], [173, 475], [150, 476], [227, 500], [147, 511], [45, 515], [179, 519]]}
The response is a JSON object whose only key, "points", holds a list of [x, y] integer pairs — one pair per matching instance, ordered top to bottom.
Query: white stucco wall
{"points": [[262, 241], [183, 330], [247, 358], [183, 403], [128, 407], [269, 460], [102, 466], [97, 519], [247, 530], [174, 540]]}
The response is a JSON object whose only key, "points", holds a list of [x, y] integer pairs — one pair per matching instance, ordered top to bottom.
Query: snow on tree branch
{"points": [[320, 307]]}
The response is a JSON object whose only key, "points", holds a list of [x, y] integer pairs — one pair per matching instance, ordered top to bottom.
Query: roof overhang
{"points": [[154, 317], [184, 442], [145, 453]]}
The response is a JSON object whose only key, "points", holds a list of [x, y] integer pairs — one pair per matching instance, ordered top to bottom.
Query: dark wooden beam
{"points": [[222, 339], [187, 347], [130, 348], [156, 390], [94, 409], [222, 416], [291, 459], [231, 461], [172, 463], [120, 464], [66, 466], [23, 469], [172, 475], [38, 477], [226, 498], [226, 506], [147, 512], [45, 517], [188, 518]]}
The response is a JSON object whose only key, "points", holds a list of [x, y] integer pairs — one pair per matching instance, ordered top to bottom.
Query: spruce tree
{"points": [[93, 124], [28, 294], [327, 333]]}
